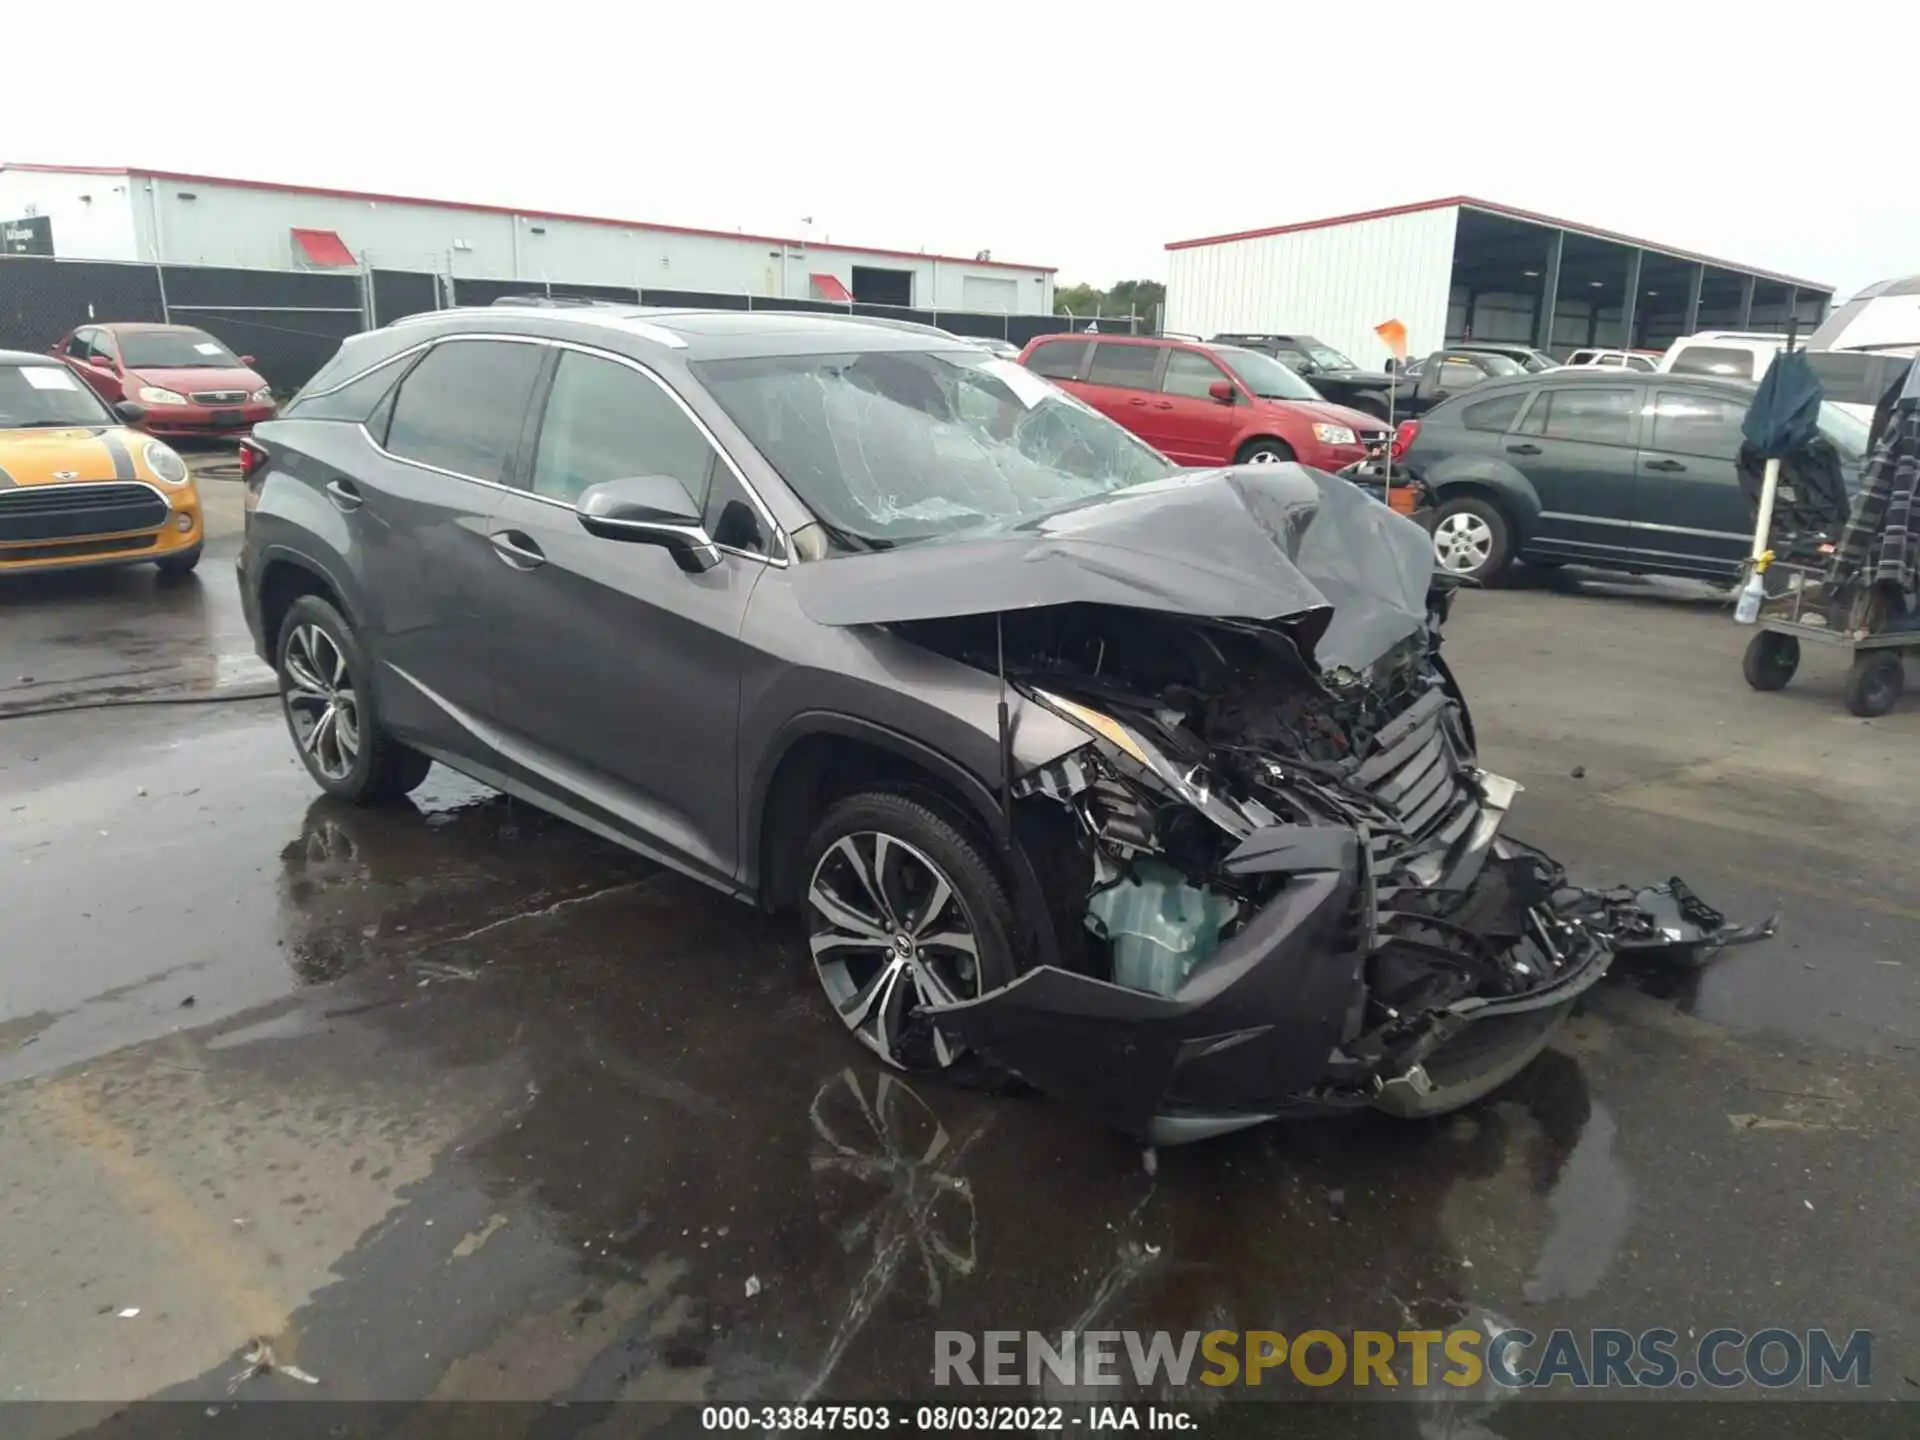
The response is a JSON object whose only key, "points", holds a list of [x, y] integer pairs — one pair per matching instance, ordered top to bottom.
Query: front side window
{"points": [[78, 346], [181, 349], [1058, 359], [1713, 360], [1131, 367], [1190, 373], [1265, 376], [47, 397], [462, 406], [1599, 414], [607, 421], [1696, 425], [889, 447]]}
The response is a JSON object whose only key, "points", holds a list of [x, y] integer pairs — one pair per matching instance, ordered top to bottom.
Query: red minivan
{"points": [[1205, 404]]}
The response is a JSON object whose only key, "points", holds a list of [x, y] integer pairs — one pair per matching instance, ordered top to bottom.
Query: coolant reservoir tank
{"points": [[1160, 927]]}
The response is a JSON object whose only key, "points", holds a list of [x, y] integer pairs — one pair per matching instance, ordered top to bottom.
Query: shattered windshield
{"points": [[891, 446]]}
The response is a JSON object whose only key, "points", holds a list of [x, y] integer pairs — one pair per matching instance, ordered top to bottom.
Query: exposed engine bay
{"points": [[1224, 771], [1273, 875]]}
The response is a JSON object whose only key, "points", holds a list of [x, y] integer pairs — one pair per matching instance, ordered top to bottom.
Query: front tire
{"points": [[1264, 452], [1472, 539], [179, 563], [1770, 660], [326, 697], [903, 908]]}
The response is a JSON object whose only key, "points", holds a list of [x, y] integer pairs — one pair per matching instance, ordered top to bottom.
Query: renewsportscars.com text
{"points": [[1772, 1358]]}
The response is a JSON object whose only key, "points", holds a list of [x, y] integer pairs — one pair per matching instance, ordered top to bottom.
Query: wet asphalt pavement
{"points": [[457, 1101]]}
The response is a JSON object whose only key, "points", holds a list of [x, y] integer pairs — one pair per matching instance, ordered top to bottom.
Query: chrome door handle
{"points": [[344, 496], [517, 550]]}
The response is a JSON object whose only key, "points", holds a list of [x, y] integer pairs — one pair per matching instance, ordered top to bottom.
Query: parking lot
{"points": [[457, 1101]]}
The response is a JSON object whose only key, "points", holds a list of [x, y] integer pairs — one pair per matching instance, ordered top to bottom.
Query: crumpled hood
{"points": [[1264, 543]]}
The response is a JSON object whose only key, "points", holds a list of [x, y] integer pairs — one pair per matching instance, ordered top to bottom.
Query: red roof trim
{"points": [[63, 169], [379, 197], [1467, 202], [323, 247], [830, 288]]}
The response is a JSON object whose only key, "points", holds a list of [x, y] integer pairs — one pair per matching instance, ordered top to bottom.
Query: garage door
{"points": [[988, 292]]}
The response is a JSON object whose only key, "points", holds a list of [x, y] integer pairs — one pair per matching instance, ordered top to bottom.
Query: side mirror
{"points": [[247, 360], [1222, 390], [131, 411], [649, 510]]}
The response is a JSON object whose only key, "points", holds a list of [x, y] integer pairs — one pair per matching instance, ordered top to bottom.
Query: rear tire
{"points": [[1264, 452], [1472, 539], [1874, 684], [326, 698], [903, 906]]}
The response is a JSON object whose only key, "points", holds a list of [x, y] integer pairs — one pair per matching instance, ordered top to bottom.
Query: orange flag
{"points": [[1395, 336]]}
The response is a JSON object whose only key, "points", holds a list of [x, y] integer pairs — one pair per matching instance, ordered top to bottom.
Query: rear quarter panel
{"points": [[1448, 457]]}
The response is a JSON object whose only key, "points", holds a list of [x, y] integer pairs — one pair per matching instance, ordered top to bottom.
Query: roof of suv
{"points": [[695, 334], [1567, 375]]}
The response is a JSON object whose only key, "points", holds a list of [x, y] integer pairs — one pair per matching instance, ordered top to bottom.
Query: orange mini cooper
{"points": [[80, 489]]}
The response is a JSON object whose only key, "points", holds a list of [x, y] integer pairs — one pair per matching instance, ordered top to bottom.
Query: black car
{"points": [[1530, 359], [1325, 368], [1604, 468]]}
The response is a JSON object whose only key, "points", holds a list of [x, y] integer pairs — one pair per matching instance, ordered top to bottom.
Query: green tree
{"points": [[1142, 297]]}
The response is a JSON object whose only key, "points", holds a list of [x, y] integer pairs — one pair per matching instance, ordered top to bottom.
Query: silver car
{"points": [[1147, 786]]}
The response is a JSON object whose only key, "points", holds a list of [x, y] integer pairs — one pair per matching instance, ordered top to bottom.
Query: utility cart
{"points": [[1799, 611]]}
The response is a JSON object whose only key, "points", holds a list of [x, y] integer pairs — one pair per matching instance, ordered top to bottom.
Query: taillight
{"points": [[1403, 437], [251, 458]]}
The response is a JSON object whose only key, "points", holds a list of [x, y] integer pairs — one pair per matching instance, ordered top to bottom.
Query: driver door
{"points": [[616, 672]]}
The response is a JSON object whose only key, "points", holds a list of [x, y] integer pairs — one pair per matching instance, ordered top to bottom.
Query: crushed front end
{"points": [[1278, 889]]}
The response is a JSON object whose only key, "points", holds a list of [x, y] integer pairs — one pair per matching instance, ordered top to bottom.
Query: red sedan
{"points": [[190, 383]]}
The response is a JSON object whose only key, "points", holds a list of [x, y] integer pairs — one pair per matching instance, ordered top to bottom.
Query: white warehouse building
{"points": [[153, 215], [1465, 269]]}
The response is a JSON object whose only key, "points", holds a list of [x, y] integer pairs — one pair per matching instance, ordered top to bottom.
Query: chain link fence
{"points": [[291, 321]]}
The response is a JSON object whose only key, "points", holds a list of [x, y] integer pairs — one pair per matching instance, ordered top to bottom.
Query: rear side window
{"points": [[1058, 359], [1713, 360], [1129, 366], [1190, 373], [1457, 374], [355, 400], [462, 406], [1495, 415], [1601, 415], [605, 421], [1696, 425]]}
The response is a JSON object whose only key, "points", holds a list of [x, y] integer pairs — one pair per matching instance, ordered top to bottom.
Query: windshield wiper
{"points": [[51, 424]]}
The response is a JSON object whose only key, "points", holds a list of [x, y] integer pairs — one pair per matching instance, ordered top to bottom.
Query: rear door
{"points": [[1123, 382], [1184, 422], [1577, 445], [1688, 505], [417, 519], [616, 672]]}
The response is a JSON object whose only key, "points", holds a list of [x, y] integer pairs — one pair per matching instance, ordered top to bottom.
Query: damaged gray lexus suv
{"points": [[1145, 786]]}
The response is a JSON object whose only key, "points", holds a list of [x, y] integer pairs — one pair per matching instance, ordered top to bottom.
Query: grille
{"points": [[218, 397], [61, 512], [16, 553], [1416, 773]]}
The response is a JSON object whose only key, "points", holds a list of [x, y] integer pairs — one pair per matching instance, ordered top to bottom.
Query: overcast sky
{"points": [[1077, 135]]}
